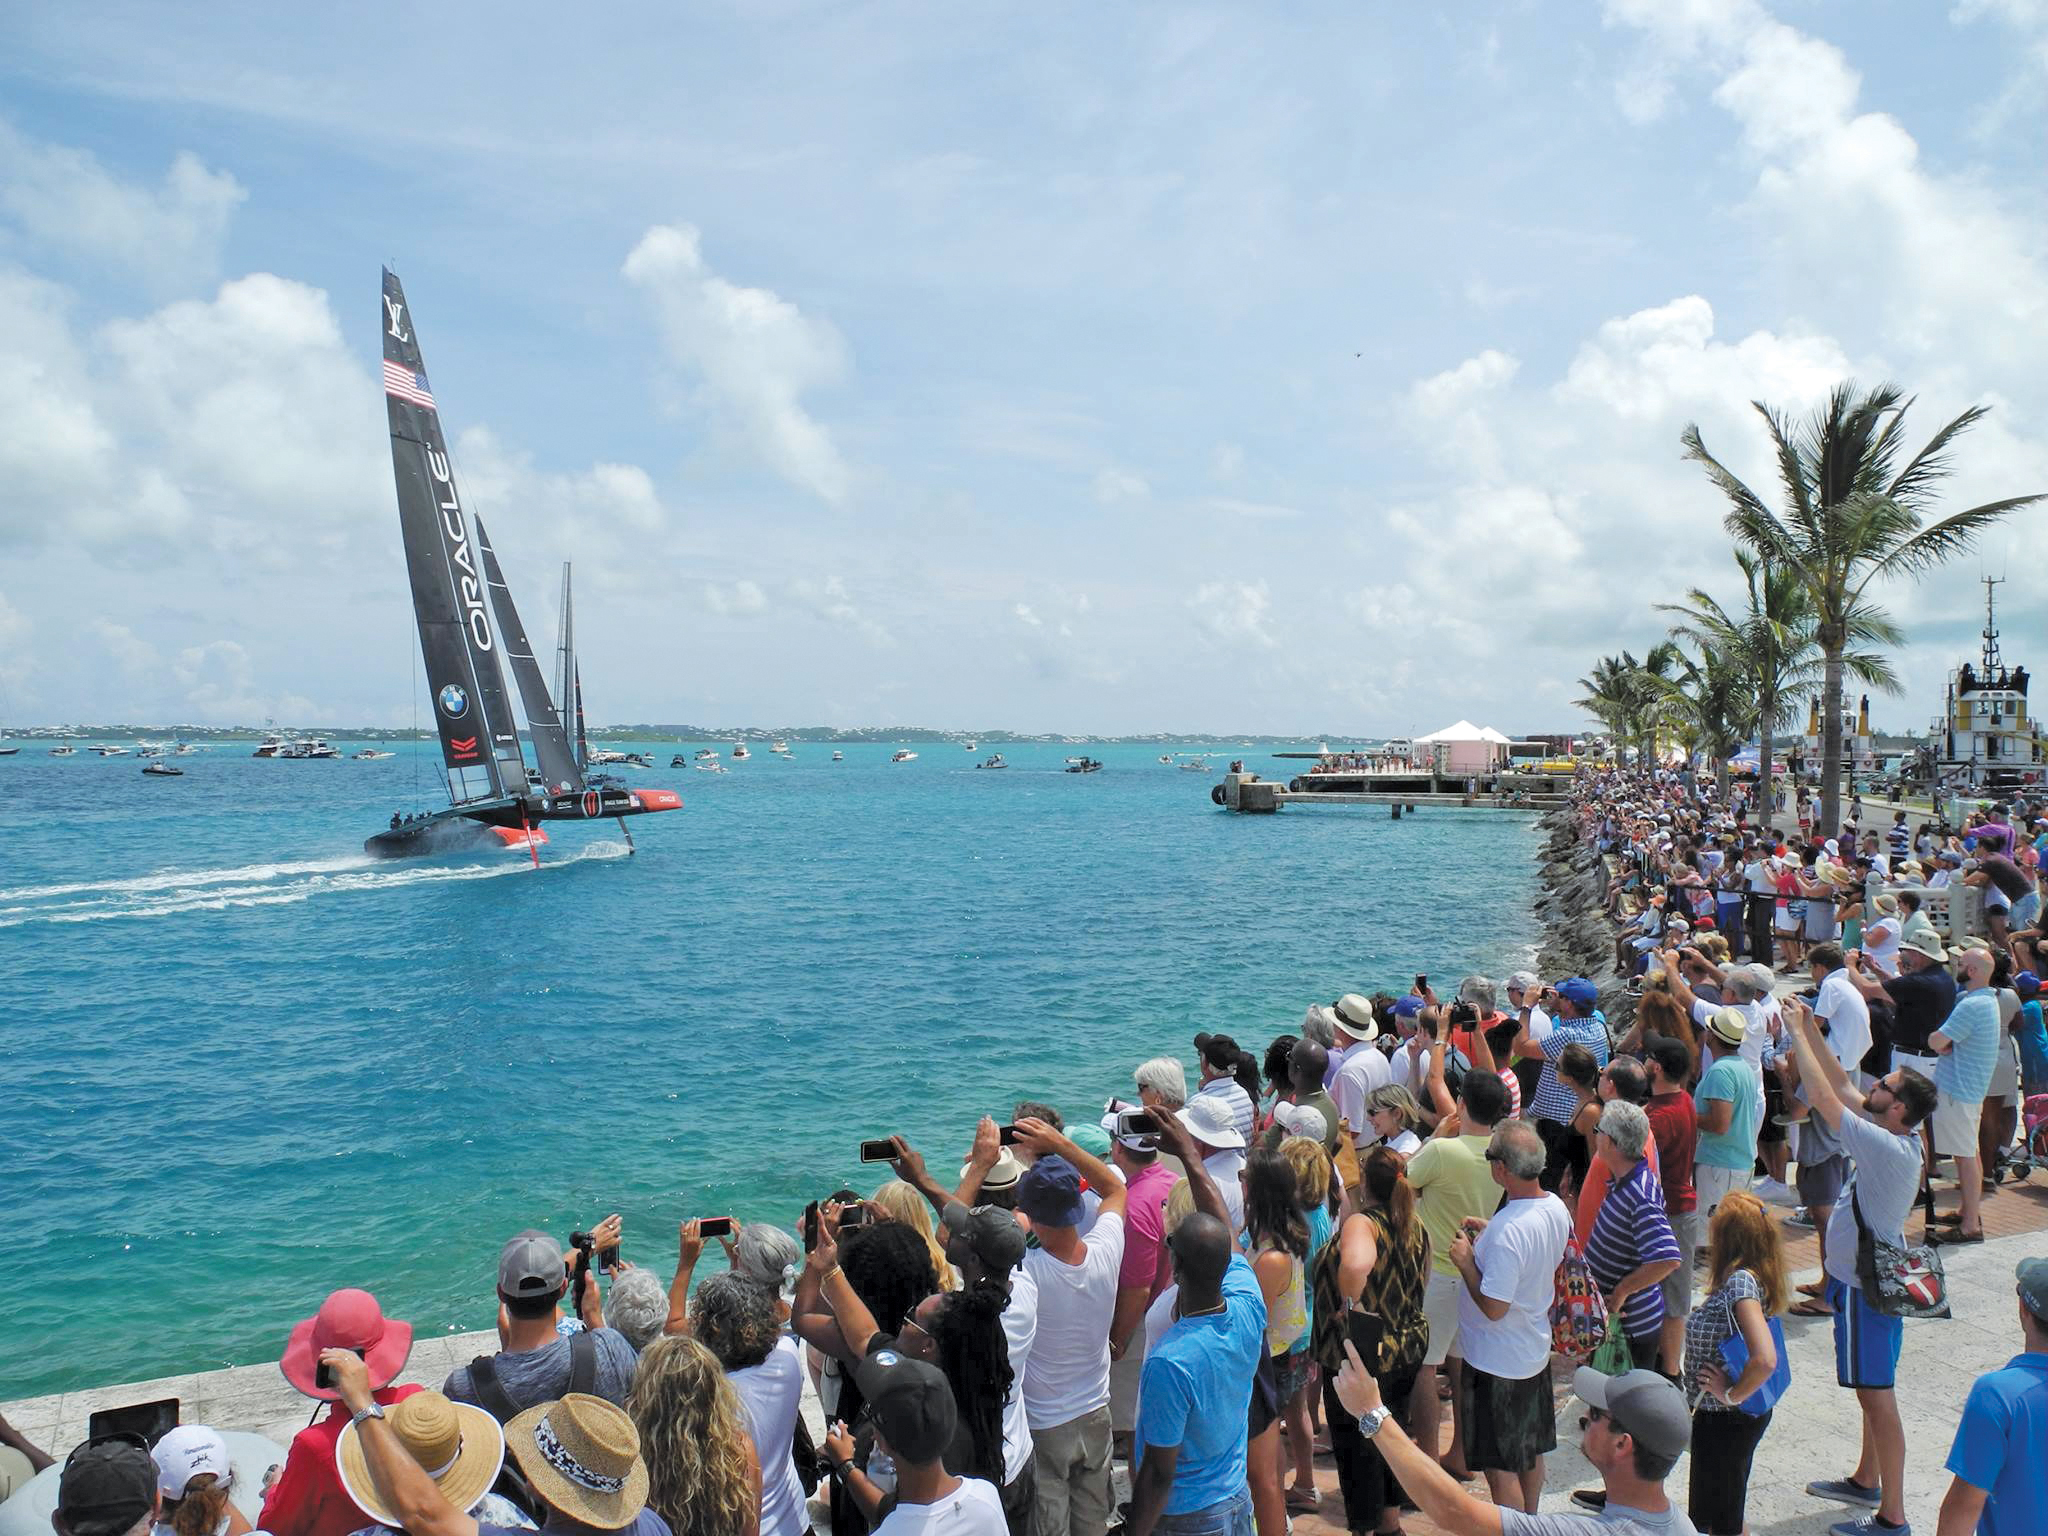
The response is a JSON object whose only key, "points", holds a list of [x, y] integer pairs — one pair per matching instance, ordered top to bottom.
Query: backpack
{"points": [[1578, 1312]]}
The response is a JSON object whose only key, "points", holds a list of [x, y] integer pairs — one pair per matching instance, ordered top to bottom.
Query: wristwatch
{"points": [[374, 1411], [1369, 1423]]}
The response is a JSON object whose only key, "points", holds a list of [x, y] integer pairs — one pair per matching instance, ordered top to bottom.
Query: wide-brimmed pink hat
{"points": [[346, 1320]]}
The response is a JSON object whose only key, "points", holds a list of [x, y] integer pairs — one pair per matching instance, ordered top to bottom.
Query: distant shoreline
{"points": [[889, 735]]}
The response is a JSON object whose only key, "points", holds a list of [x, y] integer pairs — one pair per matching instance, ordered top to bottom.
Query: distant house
{"points": [[1465, 748]]}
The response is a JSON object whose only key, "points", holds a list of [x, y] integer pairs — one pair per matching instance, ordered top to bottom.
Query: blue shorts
{"points": [[1866, 1340]]}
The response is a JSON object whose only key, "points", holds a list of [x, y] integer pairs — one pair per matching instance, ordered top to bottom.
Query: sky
{"points": [[1309, 370]]}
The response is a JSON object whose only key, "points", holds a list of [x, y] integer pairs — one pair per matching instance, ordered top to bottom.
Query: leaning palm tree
{"points": [[1851, 518], [1772, 643], [1623, 693]]}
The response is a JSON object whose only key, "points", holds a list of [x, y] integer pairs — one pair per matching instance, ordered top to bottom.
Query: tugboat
{"points": [[1985, 740]]}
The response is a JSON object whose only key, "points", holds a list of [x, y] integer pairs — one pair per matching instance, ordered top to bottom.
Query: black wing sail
{"points": [[565, 650], [543, 724], [479, 740], [582, 740]]}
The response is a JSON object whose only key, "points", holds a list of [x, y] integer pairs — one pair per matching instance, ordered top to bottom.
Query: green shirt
{"points": [[1452, 1180]]}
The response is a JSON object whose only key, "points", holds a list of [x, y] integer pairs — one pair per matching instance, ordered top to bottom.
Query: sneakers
{"points": [[1774, 1192], [1801, 1217], [1842, 1491], [1590, 1498], [1869, 1525]]}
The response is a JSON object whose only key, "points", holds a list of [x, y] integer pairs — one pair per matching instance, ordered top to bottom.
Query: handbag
{"points": [[1899, 1281], [1578, 1313], [1613, 1357], [1735, 1359]]}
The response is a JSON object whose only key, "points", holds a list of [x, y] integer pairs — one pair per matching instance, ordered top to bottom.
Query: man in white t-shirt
{"points": [[1845, 1014], [1509, 1267], [1066, 1378]]}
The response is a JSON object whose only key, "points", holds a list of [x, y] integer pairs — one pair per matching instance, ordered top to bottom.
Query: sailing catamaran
{"points": [[495, 798]]}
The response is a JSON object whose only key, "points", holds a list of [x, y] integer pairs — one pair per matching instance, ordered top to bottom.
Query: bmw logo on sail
{"points": [[454, 702]]}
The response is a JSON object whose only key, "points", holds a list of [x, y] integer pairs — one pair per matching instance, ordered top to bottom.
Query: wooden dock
{"points": [[1252, 795]]}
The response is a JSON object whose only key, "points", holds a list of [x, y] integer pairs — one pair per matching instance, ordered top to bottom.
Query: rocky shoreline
{"points": [[1578, 937]]}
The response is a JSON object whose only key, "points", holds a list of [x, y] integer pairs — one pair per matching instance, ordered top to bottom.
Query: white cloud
{"points": [[64, 199], [757, 353], [1664, 361], [1455, 388], [1118, 485], [739, 599], [829, 600], [1232, 612], [1025, 615], [134, 655]]}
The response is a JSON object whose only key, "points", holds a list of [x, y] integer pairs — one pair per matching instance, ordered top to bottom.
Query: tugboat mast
{"points": [[1991, 660]]}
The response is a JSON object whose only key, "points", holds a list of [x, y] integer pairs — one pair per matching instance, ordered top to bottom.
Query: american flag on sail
{"points": [[401, 381]]}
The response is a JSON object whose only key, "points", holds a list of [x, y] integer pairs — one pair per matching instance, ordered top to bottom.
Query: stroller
{"points": [[2032, 1152]]}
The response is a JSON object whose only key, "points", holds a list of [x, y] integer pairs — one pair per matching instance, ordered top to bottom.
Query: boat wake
{"points": [[169, 893]]}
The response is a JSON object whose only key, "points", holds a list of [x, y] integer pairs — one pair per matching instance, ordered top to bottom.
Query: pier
{"points": [[1402, 793]]}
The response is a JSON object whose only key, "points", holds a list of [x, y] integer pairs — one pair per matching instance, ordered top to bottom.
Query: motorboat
{"points": [[270, 746], [971, 746], [780, 747], [308, 748], [186, 749], [67, 750], [111, 751], [739, 751], [705, 753], [367, 755], [904, 756], [838, 757], [1166, 758], [639, 760], [679, 761], [994, 761], [1083, 765], [1195, 765], [711, 767], [162, 770]]}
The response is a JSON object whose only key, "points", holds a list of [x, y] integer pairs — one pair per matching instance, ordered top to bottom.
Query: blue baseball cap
{"points": [[1577, 989], [1408, 1007], [1050, 1192]]}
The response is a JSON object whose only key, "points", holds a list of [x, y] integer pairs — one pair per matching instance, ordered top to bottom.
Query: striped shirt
{"points": [[1231, 1092], [1554, 1101], [1631, 1231]]}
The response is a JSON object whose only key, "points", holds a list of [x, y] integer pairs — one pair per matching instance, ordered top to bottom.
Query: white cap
{"points": [[1301, 1120], [184, 1453]]}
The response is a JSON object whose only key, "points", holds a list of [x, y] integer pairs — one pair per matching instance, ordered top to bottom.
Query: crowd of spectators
{"points": [[1376, 1225]]}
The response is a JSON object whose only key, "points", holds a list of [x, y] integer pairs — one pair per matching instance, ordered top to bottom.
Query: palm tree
{"points": [[1851, 518], [1771, 643], [1623, 693], [1708, 704]]}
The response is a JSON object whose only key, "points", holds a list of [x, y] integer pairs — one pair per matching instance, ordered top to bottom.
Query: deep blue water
{"points": [[244, 1064]]}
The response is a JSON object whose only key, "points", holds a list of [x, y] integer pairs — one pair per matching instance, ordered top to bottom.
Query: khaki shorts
{"points": [[2005, 1077], [1955, 1125], [1440, 1306]]}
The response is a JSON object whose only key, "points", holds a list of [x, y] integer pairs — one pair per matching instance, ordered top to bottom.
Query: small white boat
{"points": [[270, 746], [971, 746], [186, 749], [66, 750], [111, 751], [739, 751], [706, 754], [370, 755], [904, 756], [838, 757], [1167, 758], [995, 760], [1083, 765], [1195, 765], [711, 767]]}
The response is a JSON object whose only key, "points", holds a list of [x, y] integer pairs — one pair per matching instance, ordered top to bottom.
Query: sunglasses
{"points": [[1495, 1157]]}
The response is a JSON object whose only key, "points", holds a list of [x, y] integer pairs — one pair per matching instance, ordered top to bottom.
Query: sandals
{"points": [[1945, 1239], [1812, 1288], [1812, 1307], [1301, 1501]]}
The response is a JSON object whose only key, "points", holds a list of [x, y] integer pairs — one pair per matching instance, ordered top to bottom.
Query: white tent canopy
{"points": [[1465, 730]]}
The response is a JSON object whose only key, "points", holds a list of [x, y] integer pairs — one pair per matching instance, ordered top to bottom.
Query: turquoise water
{"points": [[245, 1064]]}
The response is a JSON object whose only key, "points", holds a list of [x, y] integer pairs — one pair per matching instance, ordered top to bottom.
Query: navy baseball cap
{"points": [[1050, 1192]]}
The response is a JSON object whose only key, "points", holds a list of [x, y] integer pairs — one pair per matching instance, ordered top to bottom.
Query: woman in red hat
{"points": [[308, 1498]]}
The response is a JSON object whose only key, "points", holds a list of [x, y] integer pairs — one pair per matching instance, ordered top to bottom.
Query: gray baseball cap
{"points": [[989, 1231], [531, 1266], [2033, 1278], [1642, 1404]]}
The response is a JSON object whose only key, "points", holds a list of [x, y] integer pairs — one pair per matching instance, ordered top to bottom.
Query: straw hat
{"points": [[459, 1445], [581, 1454]]}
